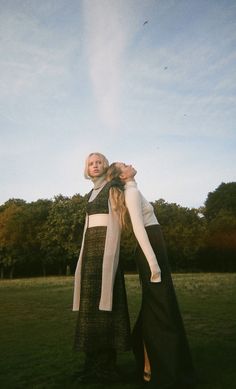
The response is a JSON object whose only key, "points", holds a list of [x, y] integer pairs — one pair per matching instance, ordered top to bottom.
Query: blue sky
{"points": [[81, 76]]}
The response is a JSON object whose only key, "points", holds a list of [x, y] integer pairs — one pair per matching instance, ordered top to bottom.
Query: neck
{"points": [[129, 180], [98, 181]]}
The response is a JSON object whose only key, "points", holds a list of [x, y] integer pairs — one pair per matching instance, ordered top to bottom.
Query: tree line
{"points": [[44, 237]]}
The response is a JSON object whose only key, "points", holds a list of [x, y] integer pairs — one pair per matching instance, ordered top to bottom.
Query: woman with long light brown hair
{"points": [[159, 340]]}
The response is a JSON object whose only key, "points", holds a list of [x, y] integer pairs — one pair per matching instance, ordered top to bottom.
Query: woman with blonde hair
{"points": [[103, 326], [158, 339]]}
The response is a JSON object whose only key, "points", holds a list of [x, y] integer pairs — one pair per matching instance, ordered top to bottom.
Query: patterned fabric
{"points": [[100, 203], [96, 329], [100, 364]]}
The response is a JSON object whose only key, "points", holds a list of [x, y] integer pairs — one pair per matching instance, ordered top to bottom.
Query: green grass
{"points": [[37, 330]]}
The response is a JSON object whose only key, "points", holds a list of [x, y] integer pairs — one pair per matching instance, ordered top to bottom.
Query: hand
{"points": [[155, 271], [155, 276]]}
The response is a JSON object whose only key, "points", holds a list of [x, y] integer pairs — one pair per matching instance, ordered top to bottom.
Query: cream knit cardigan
{"points": [[110, 262]]}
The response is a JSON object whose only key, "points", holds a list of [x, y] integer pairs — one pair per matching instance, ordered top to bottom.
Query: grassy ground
{"points": [[37, 330]]}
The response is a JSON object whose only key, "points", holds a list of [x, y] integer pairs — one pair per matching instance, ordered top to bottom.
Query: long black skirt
{"points": [[159, 325], [98, 330]]}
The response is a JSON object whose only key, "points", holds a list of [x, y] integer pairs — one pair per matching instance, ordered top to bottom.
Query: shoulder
{"points": [[131, 187], [88, 194], [132, 194]]}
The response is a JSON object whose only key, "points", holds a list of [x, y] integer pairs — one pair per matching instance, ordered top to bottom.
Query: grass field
{"points": [[37, 330]]}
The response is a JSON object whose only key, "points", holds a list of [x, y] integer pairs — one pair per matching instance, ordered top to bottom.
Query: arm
{"points": [[133, 203]]}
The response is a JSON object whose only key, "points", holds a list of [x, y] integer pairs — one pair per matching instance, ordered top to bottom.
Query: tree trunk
{"points": [[44, 270], [59, 270], [68, 270], [2, 272], [11, 272]]}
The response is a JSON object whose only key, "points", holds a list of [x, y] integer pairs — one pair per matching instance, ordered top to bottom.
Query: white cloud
{"points": [[108, 28]]}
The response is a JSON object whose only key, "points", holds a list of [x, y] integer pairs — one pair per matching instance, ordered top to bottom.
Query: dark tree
{"points": [[222, 199]]}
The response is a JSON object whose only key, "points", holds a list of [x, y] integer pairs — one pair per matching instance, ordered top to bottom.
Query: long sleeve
{"points": [[134, 206]]}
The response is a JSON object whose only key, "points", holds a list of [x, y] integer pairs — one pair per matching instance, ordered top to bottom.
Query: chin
{"points": [[97, 175]]}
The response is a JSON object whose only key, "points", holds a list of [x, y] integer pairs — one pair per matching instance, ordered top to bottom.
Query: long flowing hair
{"points": [[117, 194]]}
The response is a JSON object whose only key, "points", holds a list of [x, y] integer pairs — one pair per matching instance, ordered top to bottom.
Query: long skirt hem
{"points": [[159, 324]]}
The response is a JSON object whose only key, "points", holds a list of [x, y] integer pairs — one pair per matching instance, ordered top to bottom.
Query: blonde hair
{"points": [[104, 160], [113, 173], [117, 195]]}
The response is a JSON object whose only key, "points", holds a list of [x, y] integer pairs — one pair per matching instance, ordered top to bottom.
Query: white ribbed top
{"points": [[142, 215]]}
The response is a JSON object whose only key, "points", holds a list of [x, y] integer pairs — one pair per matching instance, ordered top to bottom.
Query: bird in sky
{"points": [[146, 22]]}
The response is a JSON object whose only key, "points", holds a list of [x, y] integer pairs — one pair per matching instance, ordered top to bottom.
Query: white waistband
{"points": [[100, 219]]}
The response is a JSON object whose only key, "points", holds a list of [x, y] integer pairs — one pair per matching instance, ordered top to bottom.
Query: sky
{"points": [[150, 83]]}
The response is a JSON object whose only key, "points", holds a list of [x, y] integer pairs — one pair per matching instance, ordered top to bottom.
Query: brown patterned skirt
{"points": [[96, 329]]}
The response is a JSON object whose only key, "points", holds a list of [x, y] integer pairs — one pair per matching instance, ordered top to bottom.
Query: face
{"points": [[95, 166], [127, 171]]}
